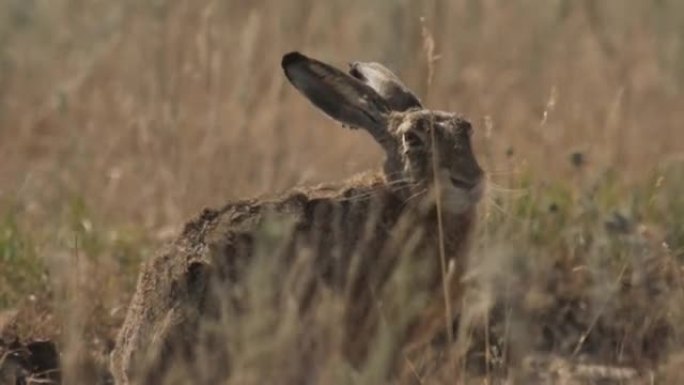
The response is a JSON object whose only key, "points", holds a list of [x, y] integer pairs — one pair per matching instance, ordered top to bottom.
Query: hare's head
{"points": [[425, 150]]}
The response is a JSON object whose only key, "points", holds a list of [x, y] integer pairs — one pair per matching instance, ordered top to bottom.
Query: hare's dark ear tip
{"points": [[292, 58]]}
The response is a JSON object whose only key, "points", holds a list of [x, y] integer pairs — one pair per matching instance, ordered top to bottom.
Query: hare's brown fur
{"points": [[431, 178]]}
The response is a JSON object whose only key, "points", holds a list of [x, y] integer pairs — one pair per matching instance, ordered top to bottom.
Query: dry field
{"points": [[120, 121]]}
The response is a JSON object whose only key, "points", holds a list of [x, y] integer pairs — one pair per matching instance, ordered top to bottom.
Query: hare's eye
{"points": [[412, 139]]}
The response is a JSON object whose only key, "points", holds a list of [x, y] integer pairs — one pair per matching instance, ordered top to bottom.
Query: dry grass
{"points": [[121, 120]]}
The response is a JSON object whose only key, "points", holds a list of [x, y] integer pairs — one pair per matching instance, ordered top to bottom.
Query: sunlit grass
{"points": [[119, 121]]}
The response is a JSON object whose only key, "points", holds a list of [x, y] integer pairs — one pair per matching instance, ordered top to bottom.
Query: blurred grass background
{"points": [[121, 120]]}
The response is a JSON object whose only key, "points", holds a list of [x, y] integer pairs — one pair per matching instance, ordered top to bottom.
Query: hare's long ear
{"points": [[386, 84], [339, 95]]}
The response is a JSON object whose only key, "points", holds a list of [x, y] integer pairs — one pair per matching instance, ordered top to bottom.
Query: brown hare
{"points": [[420, 207]]}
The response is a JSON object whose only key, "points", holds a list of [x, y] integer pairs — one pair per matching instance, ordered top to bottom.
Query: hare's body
{"points": [[419, 212]]}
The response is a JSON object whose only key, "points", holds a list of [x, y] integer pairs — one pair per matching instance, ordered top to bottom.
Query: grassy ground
{"points": [[121, 120]]}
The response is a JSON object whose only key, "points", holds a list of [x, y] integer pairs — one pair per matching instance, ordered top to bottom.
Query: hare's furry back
{"points": [[418, 214]]}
